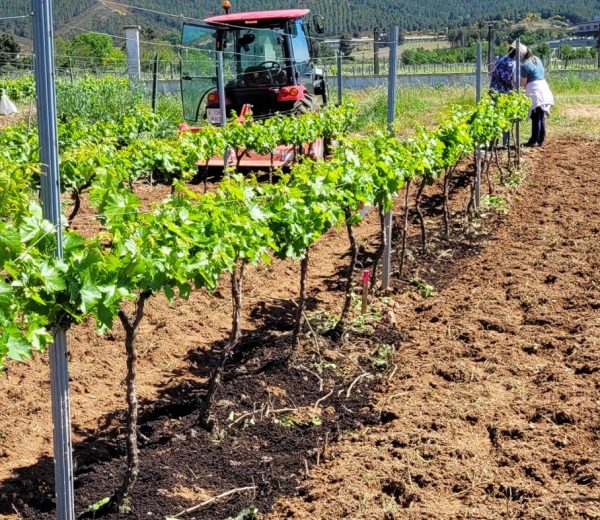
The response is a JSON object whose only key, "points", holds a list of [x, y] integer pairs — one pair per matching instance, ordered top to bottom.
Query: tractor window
{"points": [[301, 48], [254, 57], [198, 72]]}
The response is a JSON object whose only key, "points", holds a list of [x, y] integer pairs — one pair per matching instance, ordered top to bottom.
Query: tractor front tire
{"points": [[305, 105]]}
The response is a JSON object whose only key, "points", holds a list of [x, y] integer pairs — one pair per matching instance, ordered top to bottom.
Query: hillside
{"points": [[341, 17]]}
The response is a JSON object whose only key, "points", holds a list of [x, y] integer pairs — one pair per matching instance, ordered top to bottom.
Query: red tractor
{"points": [[269, 69]]}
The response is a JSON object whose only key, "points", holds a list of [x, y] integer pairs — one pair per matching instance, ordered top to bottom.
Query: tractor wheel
{"points": [[305, 105]]}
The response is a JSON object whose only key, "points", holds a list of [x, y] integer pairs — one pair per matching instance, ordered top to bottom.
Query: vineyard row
{"points": [[190, 240]]}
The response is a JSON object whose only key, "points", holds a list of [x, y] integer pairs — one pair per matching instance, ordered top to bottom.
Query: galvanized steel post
{"points": [[43, 41], [478, 78], [154, 82], [518, 82], [221, 87], [340, 93], [392, 93], [222, 101], [477, 188]]}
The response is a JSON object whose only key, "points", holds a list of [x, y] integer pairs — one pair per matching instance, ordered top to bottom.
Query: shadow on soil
{"points": [[441, 261], [269, 431], [270, 448]]}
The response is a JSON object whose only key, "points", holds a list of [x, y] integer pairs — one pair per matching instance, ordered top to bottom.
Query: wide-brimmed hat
{"points": [[522, 48]]}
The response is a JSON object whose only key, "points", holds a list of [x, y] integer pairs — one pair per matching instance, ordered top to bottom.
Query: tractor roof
{"points": [[257, 17]]}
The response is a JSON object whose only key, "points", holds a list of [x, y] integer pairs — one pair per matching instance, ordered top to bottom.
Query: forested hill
{"points": [[340, 16]]}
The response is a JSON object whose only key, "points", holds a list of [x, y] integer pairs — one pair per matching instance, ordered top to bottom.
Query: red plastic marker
{"points": [[365, 294]]}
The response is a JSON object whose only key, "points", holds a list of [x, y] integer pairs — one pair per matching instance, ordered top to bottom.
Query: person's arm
{"points": [[526, 70], [523, 81]]}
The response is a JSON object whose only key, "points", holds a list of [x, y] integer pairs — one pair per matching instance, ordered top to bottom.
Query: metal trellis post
{"points": [[43, 39], [598, 46], [376, 51], [490, 53], [71, 70], [478, 72], [339, 77], [154, 81], [518, 82], [221, 87], [392, 91], [222, 106], [477, 192]]}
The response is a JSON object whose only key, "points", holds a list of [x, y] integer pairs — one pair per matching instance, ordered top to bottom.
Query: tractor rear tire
{"points": [[305, 105]]}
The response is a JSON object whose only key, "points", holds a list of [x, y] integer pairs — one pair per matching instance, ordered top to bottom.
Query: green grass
{"points": [[572, 84], [91, 99], [416, 106], [169, 109], [577, 110], [576, 115]]}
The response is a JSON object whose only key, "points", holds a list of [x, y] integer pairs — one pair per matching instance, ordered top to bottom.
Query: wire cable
{"points": [[153, 11], [20, 17], [221, 24], [166, 44]]}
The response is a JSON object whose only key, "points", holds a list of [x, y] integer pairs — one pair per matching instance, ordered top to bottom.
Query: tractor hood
{"points": [[255, 18]]}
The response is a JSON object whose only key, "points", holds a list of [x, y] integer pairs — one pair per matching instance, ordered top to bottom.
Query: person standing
{"points": [[503, 72], [533, 78], [501, 79]]}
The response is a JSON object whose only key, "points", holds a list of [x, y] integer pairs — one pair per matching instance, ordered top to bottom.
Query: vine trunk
{"points": [[419, 211], [381, 248], [237, 278], [301, 301], [342, 323], [120, 500]]}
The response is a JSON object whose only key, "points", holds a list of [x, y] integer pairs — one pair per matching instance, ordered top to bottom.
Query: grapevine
{"points": [[190, 241]]}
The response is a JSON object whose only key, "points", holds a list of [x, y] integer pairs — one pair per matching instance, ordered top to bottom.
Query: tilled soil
{"points": [[178, 345], [495, 401], [487, 410]]}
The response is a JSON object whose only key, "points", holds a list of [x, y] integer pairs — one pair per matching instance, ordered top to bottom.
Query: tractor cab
{"points": [[269, 65]]}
